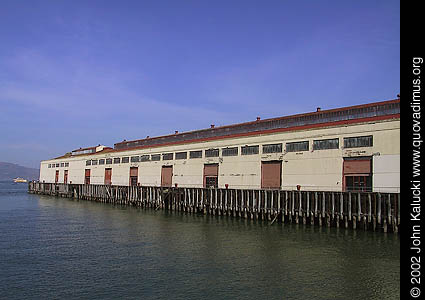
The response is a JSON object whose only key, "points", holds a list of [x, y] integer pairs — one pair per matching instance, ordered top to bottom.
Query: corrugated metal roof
{"points": [[376, 109]]}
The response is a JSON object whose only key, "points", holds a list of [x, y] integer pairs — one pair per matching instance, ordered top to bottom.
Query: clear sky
{"points": [[81, 73]]}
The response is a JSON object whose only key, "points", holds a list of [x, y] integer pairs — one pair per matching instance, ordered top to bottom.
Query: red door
{"points": [[271, 174], [357, 174], [133, 175], [211, 175], [57, 176], [87, 176], [108, 176], [167, 176], [65, 177]]}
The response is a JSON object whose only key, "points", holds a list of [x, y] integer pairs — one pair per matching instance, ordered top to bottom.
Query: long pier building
{"points": [[353, 148]]}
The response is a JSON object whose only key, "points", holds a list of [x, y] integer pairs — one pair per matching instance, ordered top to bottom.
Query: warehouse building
{"points": [[354, 148]]}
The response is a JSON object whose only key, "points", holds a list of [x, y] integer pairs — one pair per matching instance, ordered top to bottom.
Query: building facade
{"points": [[354, 148]]}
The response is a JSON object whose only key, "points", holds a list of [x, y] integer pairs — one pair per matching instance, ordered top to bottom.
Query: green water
{"points": [[57, 248]]}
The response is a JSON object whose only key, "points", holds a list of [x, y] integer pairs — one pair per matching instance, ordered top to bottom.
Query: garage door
{"points": [[271, 174], [211, 175], [108, 176], [167, 176]]}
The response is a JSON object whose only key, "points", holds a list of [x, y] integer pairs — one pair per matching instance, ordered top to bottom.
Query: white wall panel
{"points": [[313, 170]]}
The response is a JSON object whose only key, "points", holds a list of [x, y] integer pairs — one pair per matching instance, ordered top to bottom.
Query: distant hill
{"points": [[9, 171]]}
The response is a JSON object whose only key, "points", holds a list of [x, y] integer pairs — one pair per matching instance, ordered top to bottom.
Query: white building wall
{"points": [[321, 168], [313, 170], [76, 171], [242, 171], [46, 173], [120, 173], [150, 173], [186, 173], [386, 173], [97, 174]]}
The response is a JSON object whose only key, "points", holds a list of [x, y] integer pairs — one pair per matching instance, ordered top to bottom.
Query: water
{"points": [[57, 248]]}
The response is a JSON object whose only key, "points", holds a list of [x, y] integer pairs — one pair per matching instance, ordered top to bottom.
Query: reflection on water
{"points": [[63, 248]]}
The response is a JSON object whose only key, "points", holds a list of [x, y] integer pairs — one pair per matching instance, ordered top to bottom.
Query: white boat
{"points": [[19, 179]]}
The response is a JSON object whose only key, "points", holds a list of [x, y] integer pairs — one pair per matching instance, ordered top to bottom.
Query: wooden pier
{"points": [[356, 210]]}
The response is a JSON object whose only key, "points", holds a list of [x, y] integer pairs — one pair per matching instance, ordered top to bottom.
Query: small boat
{"points": [[19, 179]]}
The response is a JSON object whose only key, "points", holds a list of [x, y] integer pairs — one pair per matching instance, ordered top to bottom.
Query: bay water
{"points": [[59, 248]]}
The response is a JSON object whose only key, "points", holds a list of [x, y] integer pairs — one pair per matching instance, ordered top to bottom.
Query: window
{"points": [[359, 141], [326, 144], [297, 146], [272, 148], [249, 150], [233, 151], [77, 152], [211, 153], [195, 154], [181, 155], [167, 156], [156, 157], [144, 158], [135, 159], [117, 160], [125, 160], [101, 161], [109, 161], [88, 162], [94, 162], [66, 164], [50, 165], [57, 165], [62, 165], [211, 182], [358, 183]]}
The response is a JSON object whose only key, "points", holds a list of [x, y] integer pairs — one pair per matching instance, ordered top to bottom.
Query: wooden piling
{"points": [[374, 211]]}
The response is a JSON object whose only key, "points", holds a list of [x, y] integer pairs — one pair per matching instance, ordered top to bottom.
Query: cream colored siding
{"points": [[312, 169], [76, 171], [240, 171], [45, 172], [121, 173], [148, 173], [188, 173], [386, 173]]}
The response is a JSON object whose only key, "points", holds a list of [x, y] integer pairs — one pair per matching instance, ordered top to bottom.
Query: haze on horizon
{"points": [[81, 73]]}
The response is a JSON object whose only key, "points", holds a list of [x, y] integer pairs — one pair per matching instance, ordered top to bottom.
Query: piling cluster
{"points": [[356, 210]]}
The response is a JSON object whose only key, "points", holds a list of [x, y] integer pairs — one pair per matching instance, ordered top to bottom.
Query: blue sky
{"points": [[81, 73]]}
